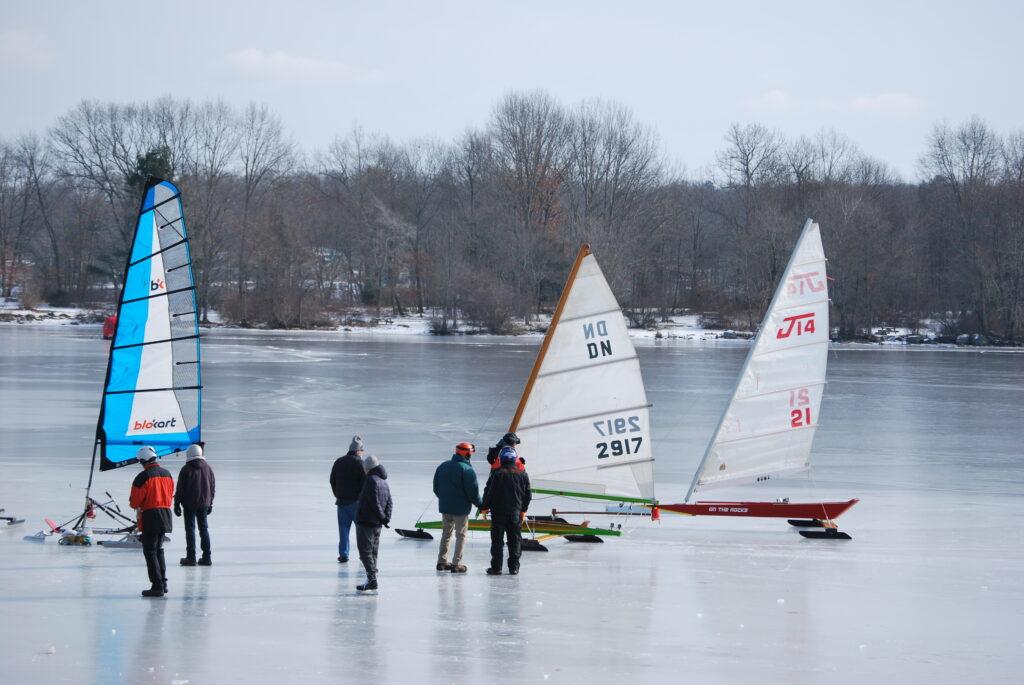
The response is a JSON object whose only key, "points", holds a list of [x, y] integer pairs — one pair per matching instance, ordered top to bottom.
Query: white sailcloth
{"points": [[584, 423], [768, 427]]}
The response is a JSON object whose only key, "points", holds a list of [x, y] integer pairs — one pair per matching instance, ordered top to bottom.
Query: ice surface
{"points": [[931, 589]]}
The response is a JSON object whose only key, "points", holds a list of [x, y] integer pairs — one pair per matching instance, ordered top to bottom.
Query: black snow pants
{"points": [[505, 526], [152, 539], [368, 542]]}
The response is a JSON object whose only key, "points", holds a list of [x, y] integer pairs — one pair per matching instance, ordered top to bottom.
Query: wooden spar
{"points": [[584, 251]]}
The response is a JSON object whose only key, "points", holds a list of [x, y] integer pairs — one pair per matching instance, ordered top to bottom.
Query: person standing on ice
{"points": [[493, 453], [347, 478], [457, 491], [152, 493], [194, 495], [507, 496], [373, 510]]}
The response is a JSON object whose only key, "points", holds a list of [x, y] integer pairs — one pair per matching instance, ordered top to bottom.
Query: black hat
{"points": [[509, 439]]}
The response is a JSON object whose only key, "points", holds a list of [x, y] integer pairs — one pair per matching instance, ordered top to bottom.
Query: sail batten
{"points": [[153, 390], [585, 407], [768, 427]]}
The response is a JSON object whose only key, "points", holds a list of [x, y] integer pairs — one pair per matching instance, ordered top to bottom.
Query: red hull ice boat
{"points": [[768, 426], [821, 511]]}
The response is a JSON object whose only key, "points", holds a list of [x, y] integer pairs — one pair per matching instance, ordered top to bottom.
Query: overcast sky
{"points": [[882, 72]]}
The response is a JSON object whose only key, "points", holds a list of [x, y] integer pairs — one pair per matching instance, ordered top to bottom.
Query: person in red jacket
{"points": [[152, 495]]}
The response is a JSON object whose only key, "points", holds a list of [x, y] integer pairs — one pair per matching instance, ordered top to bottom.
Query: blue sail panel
{"points": [[153, 391]]}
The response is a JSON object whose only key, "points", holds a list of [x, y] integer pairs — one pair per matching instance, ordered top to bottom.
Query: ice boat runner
{"points": [[152, 394], [583, 416], [769, 424]]}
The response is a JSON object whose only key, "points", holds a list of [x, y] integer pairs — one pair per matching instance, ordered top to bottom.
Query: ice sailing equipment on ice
{"points": [[152, 394], [583, 416], [768, 426]]}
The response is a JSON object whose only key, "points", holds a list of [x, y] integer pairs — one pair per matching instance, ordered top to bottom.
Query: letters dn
{"points": [[597, 331]]}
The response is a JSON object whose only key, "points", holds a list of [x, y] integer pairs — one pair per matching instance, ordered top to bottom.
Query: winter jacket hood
{"points": [[456, 486], [374, 508]]}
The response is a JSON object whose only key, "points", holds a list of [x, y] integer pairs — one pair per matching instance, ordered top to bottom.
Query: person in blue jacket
{"points": [[457, 490]]}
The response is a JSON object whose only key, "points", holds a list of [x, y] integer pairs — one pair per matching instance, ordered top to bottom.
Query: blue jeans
{"points": [[346, 515], [193, 517]]}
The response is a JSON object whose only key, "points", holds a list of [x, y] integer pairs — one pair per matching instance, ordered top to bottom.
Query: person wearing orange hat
{"points": [[457, 491]]}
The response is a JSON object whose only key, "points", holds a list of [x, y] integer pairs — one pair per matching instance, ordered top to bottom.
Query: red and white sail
{"points": [[769, 425]]}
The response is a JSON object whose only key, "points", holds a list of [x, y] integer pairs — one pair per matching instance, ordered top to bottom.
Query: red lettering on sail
{"points": [[800, 284], [799, 323]]}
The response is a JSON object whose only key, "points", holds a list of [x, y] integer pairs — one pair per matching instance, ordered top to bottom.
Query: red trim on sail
{"points": [[785, 510]]}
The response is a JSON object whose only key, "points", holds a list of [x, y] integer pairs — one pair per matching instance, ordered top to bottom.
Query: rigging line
{"points": [[168, 223], [161, 251], [163, 294], [158, 342]]}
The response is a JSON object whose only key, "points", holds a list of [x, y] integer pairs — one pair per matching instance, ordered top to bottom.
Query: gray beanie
{"points": [[356, 445], [370, 462]]}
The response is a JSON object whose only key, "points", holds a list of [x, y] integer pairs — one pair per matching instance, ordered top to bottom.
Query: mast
{"points": [[584, 251], [750, 355]]}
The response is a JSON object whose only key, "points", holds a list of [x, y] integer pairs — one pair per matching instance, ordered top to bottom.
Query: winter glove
{"points": [[177, 510], [209, 510], [483, 512], [522, 516]]}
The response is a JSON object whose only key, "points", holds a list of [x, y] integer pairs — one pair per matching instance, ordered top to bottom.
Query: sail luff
{"points": [[555, 317], [752, 353]]}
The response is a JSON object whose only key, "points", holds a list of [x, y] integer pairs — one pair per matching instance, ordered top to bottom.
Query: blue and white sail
{"points": [[153, 390]]}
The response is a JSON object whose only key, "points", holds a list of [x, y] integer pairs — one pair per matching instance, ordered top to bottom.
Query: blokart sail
{"points": [[152, 394]]}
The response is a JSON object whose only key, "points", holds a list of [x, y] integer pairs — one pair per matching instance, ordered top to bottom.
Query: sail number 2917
{"points": [[610, 428]]}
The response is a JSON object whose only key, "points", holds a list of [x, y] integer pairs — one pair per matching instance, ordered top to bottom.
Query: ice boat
{"points": [[152, 393], [583, 417], [768, 426]]}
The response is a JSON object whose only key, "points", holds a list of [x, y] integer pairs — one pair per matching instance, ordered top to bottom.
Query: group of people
{"points": [[153, 496], [362, 496]]}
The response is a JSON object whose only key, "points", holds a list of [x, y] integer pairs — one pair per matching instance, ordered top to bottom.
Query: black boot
{"points": [[343, 559], [188, 561], [205, 561], [513, 570], [493, 571], [370, 584], [155, 591]]}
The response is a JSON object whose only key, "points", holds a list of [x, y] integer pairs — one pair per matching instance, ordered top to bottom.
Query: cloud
{"points": [[23, 48], [283, 65], [773, 101], [885, 103]]}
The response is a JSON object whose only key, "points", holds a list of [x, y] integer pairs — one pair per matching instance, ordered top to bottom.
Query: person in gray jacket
{"points": [[457, 490], [373, 511]]}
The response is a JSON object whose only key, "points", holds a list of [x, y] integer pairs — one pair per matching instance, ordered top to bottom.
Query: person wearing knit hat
{"points": [[347, 476], [151, 496], [194, 496], [373, 510]]}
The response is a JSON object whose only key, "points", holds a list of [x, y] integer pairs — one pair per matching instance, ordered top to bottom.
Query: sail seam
{"points": [[142, 259], [165, 294], [802, 304], [587, 316], [157, 342], [791, 347], [587, 366], [780, 390], [128, 392], [584, 416], [764, 435], [633, 462]]}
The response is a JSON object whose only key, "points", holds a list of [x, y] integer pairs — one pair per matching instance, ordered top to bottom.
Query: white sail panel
{"points": [[584, 425], [768, 426]]}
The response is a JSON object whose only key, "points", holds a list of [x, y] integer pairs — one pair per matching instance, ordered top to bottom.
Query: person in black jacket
{"points": [[347, 478], [194, 495], [507, 496], [373, 510]]}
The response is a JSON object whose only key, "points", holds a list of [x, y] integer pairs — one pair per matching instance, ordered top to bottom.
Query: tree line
{"points": [[482, 229]]}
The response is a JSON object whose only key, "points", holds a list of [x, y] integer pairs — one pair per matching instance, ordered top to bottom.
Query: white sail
{"points": [[584, 417], [768, 427]]}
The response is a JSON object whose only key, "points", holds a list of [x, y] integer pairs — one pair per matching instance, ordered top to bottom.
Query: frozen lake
{"points": [[931, 588]]}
